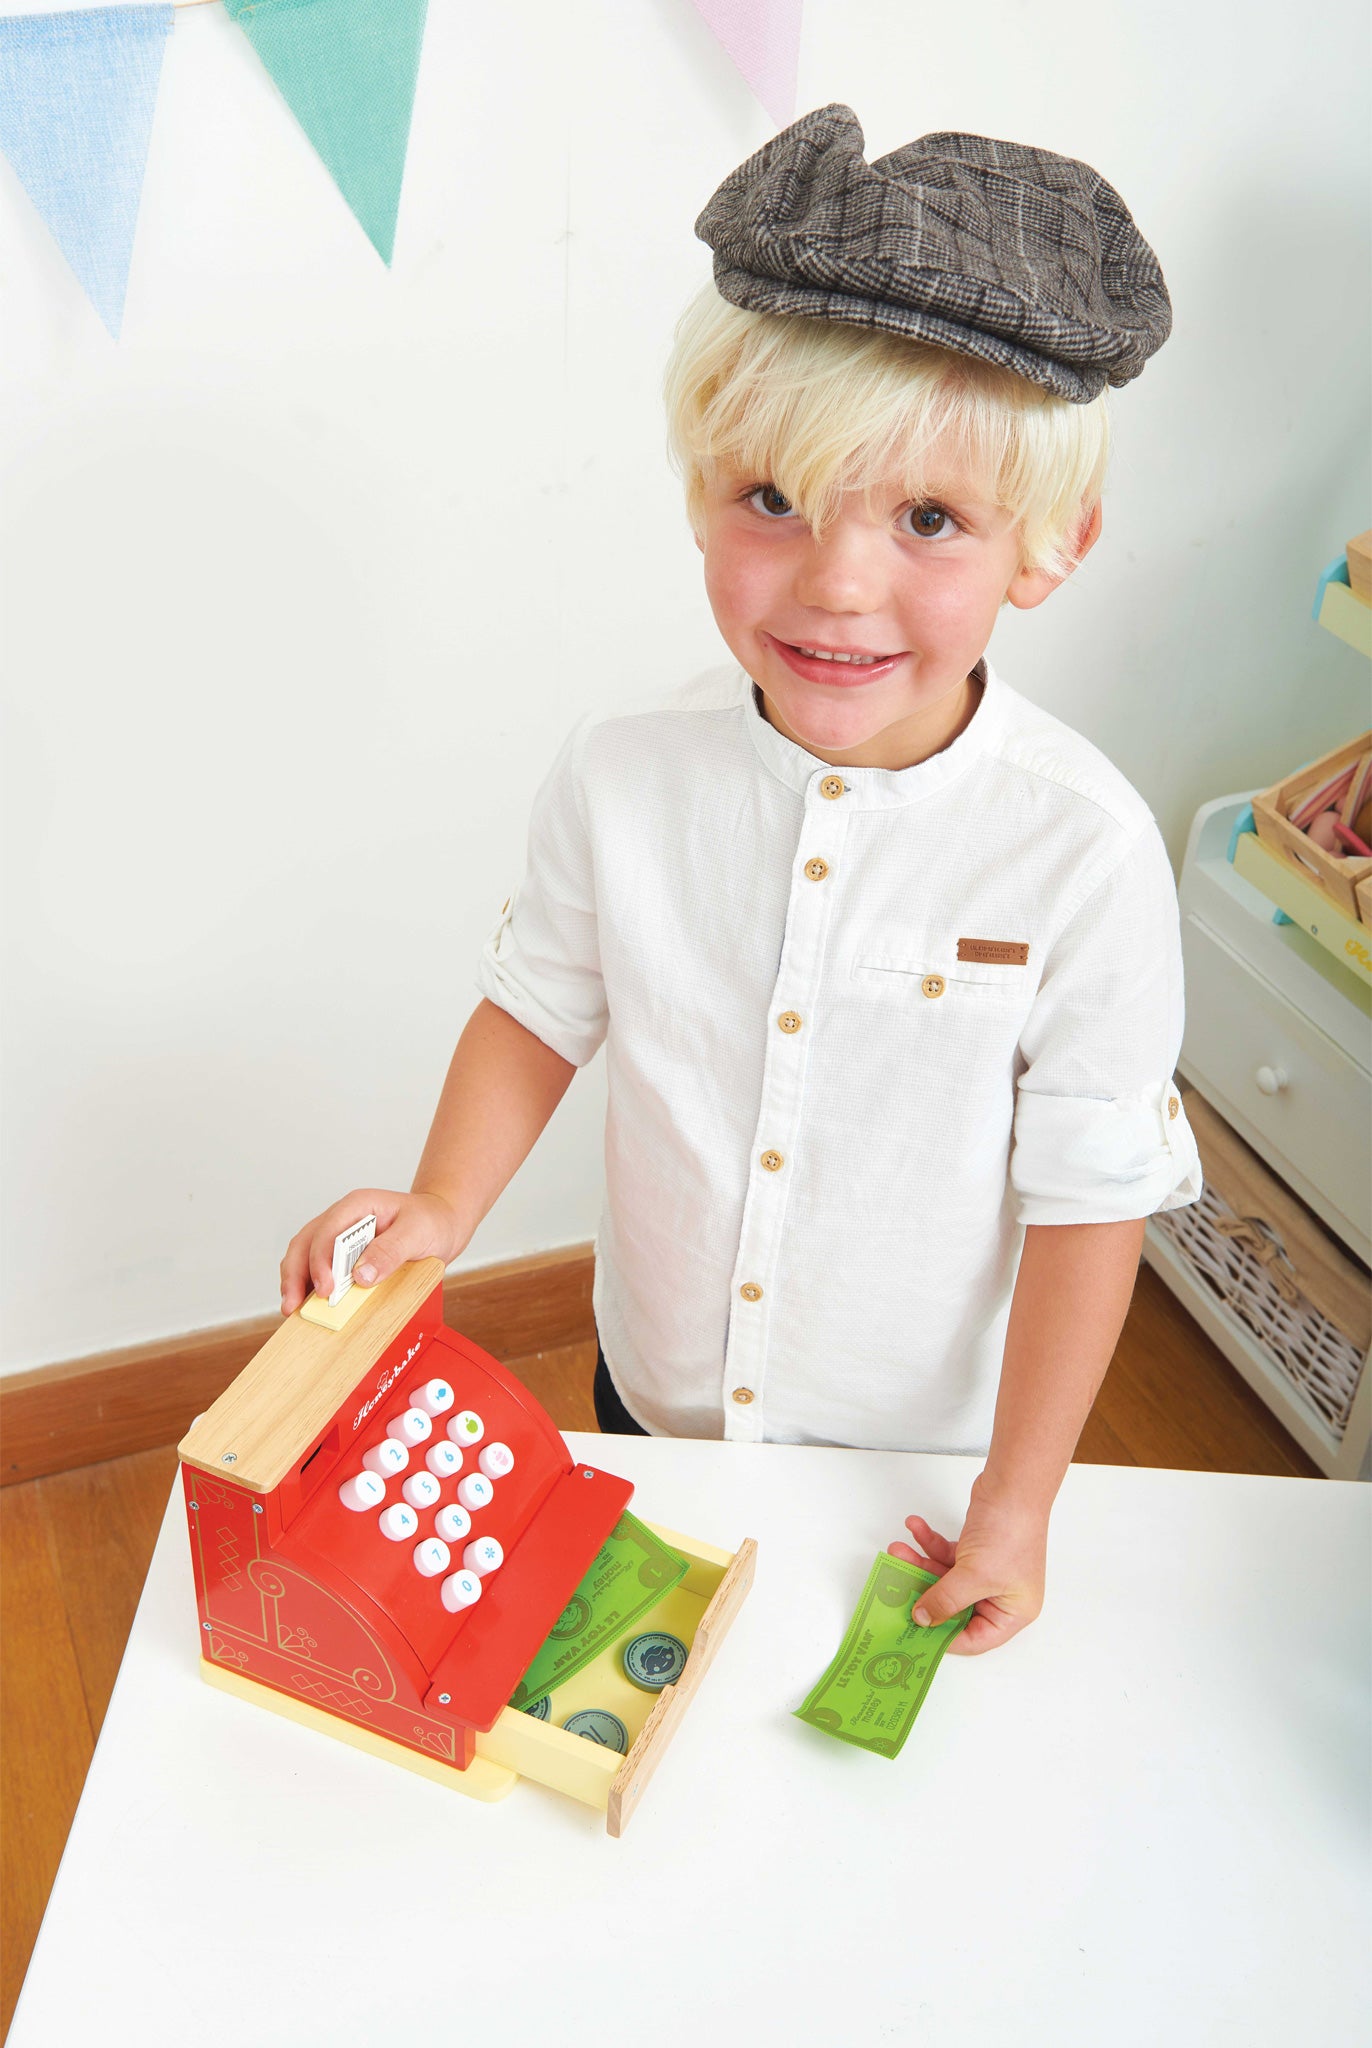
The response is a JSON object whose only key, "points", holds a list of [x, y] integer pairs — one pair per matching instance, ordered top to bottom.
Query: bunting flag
{"points": [[763, 38], [347, 69], [77, 93]]}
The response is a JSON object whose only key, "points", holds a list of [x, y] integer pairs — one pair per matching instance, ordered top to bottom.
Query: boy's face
{"points": [[919, 585]]}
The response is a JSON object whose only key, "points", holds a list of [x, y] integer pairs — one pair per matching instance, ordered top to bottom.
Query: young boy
{"points": [[885, 960]]}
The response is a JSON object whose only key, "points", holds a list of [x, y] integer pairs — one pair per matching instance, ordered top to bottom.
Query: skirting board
{"points": [[134, 1399]]}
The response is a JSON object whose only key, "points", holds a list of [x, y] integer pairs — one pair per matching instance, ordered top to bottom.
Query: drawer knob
{"points": [[1271, 1080]]}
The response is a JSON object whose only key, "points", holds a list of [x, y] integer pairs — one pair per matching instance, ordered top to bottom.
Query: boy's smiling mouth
{"points": [[834, 665]]}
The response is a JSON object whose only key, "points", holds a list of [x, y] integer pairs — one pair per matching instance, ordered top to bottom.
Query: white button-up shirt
{"points": [[863, 1025]]}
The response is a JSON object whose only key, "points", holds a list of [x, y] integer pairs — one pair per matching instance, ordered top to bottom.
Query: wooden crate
{"points": [[1360, 566], [1339, 878]]}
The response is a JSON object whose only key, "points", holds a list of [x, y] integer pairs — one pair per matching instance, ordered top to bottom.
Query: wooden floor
{"points": [[74, 1550]]}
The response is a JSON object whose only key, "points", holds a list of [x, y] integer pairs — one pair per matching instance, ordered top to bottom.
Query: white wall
{"points": [[305, 579]]}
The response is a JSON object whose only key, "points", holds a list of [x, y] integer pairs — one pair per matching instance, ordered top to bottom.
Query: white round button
{"points": [[434, 1398], [413, 1427], [466, 1428], [387, 1458], [443, 1460], [496, 1460], [365, 1490], [421, 1490], [475, 1491], [398, 1522], [453, 1523], [485, 1555], [432, 1557], [461, 1590]]}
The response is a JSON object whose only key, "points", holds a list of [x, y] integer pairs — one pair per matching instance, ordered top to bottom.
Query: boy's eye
{"points": [[768, 500], [930, 521]]}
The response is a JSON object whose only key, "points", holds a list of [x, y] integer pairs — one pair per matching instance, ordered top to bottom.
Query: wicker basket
{"points": [[1275, 1269]]}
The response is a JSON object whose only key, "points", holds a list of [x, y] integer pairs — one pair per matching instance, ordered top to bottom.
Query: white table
{"points": [[1144, 1821]]}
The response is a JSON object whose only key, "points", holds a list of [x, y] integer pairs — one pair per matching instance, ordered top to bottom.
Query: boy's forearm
{"points": [[503, 1085], [1071, 1297]]}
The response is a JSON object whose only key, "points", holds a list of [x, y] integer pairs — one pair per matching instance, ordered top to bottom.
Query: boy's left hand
{"points": [[996, 1567]]}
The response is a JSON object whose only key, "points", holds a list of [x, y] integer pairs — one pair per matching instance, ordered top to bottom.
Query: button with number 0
{"points": [[463, 1589]]}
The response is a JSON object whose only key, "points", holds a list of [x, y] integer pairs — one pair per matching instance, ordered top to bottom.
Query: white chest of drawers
{"points": [[1279, 1040]]}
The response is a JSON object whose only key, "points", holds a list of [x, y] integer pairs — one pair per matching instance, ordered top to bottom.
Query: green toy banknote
{"points": [[631, 1573], [885, 1665]]}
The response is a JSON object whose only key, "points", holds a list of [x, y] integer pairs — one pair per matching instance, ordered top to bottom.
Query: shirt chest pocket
{"points": [[929, 971]]}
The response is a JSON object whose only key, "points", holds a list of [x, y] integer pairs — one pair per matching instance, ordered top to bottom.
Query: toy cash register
{"points": [[385, 1526]]}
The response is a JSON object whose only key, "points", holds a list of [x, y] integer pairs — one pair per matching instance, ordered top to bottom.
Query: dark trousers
{"points": [[610, 1412]]}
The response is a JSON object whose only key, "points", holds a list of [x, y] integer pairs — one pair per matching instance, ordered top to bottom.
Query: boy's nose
{"points": [[842, 573]]}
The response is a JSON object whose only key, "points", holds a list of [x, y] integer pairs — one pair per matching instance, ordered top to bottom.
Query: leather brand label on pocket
{"points": [[994, 952]]}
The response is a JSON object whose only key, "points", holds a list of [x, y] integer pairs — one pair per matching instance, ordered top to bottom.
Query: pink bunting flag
{"points": [[763, 38]]}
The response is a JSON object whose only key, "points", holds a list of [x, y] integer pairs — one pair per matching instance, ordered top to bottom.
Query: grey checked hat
{"points": [[1017, 255]]}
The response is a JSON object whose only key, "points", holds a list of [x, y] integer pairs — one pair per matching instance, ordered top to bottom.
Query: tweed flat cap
{"points": [[1017, 255]]}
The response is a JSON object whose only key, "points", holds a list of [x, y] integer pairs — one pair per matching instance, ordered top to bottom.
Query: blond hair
{"points": [[818, 407]]}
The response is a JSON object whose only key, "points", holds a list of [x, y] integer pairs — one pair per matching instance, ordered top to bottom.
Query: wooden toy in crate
{"points": [[1319, 820], [397, 1600]]}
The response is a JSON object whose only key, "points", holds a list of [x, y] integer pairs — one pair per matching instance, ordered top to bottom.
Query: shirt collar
{"points": [[878, 789]]}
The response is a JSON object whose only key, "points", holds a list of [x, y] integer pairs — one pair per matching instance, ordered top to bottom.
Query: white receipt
{"points": [[348, 1248]]}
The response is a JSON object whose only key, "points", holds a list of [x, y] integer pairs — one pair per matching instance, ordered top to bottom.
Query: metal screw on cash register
{"points": [[229, 1458], [445, 1699]]}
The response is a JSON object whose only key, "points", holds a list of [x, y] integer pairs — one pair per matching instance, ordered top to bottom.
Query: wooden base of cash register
{"points": [[698, 1611]]}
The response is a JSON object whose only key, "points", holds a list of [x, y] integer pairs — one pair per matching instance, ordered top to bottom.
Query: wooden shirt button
{"points": [[832, 786], [816, 869], [933, 984], [789, 1021], [1172, 1105], [773, 1161], [750, 1291], [743, 1395]]}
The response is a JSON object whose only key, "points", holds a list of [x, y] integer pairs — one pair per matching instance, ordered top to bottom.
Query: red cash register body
{"points": [[307, 1596]]}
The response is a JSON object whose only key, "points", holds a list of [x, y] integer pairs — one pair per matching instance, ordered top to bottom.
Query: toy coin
{"points": [[655, 1660], [540, 1709], [599, 1726]]}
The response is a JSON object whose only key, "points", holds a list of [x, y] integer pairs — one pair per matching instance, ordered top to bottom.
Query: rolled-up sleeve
{"points": [[541, 963], [1101, 1134]]}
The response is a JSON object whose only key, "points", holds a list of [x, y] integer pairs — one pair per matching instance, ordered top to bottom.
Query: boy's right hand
{"points": [[407, 1227]]}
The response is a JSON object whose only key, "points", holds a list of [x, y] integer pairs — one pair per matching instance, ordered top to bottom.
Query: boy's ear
{"points": [[1029, 587]]}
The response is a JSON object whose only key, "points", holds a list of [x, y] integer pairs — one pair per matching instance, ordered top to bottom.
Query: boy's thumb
{"points": [[391, 1248], [954, 1591]]}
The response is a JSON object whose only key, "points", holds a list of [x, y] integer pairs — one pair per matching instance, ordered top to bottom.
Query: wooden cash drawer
{"points": [[697, 1610]]}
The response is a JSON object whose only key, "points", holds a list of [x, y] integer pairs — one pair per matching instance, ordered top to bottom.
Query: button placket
{"points": [[777, 1141]]}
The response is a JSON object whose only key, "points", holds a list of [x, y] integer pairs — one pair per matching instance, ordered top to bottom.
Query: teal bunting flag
{"points": [[347, 69], [77, 93]]}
